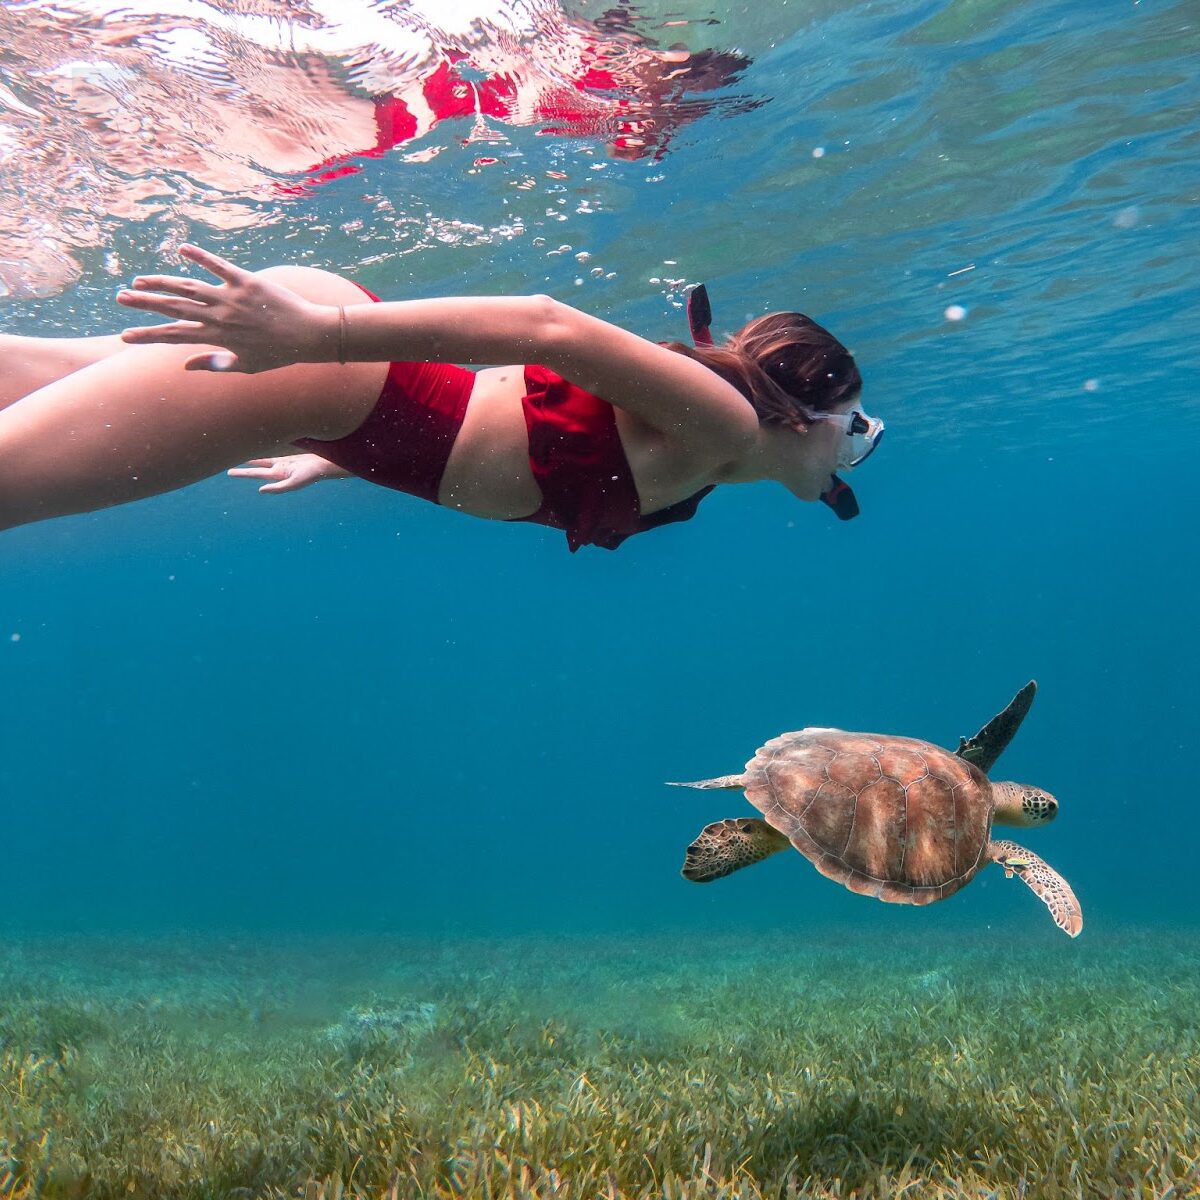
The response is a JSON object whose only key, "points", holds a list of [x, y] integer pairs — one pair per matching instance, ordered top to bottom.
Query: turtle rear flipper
{"points": [[988, 744], [721, 781], [725, 846], [1043, 880]]}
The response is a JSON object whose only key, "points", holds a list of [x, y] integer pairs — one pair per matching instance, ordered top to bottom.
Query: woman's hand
{"points": [[260, 324], [289, 473]]}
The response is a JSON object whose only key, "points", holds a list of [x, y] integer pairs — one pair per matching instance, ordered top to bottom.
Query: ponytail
{"points": [[781, 362]]}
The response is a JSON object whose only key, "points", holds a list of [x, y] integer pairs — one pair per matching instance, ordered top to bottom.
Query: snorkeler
{"points": [[298, 358]]}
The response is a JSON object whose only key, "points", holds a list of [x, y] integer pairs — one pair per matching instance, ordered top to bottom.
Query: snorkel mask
{"points": [[862, 432]]}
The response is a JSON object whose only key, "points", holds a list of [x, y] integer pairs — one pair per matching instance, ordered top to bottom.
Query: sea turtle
{"points": [[887, 816]]}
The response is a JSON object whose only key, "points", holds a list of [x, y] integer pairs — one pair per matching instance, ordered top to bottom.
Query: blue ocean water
{"points": [[347, 710]]}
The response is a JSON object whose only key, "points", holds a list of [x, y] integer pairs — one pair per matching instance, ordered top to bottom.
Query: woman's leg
{"points": [[30, 363], [134, 423]]}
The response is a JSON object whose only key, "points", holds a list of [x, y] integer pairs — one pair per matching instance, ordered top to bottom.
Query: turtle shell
{"points": [[891, 817]]}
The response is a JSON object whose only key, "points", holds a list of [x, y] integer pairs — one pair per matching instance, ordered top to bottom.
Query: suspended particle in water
{"points": [[818, 152], [955, 312]]}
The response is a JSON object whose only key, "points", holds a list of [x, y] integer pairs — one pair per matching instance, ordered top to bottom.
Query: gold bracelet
{"points": [[342, 334]]}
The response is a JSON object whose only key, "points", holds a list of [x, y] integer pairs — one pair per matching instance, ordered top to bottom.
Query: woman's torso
{"points": [[489, 475]]}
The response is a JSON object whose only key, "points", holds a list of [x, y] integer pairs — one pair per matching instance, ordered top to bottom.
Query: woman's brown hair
{"points": [[780, 361]]}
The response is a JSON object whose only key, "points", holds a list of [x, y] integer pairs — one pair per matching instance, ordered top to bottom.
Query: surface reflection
{"points": [[219, 113]]}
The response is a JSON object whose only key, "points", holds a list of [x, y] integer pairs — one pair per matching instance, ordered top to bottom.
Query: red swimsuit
{"points": [[575, 451], [579, 463]]}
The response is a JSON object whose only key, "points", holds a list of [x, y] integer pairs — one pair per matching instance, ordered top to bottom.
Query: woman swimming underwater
{"points": [[299, 358]]}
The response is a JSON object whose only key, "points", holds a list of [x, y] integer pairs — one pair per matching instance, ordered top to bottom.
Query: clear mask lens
{"points": [[862, 435]]}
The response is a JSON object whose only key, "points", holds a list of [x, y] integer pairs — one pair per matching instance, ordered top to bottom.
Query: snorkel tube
{"points": [[699, 315], [839, 495]]}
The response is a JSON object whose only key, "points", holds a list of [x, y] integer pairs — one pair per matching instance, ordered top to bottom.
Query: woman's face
{"points": [[808, 453]]}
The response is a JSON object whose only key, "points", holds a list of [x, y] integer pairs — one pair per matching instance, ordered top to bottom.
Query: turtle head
{"points": [[1020, 804]]}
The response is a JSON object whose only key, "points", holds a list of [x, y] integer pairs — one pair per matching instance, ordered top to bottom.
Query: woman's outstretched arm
{"points": [[264, 326]]}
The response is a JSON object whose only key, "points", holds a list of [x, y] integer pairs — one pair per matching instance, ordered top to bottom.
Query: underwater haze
{"points": [[337, 822]]}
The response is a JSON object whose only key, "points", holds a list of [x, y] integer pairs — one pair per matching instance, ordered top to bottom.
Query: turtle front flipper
{"points": [[988, 744], [725, 846], [1043, 880]]}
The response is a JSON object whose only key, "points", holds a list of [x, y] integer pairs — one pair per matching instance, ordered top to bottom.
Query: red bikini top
{"points": [[579, 463]]}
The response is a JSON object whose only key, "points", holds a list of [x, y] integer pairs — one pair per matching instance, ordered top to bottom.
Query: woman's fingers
{"points": [[213, 263], [178, 285], [154, 291], [167, 306], [179, 333], [259, 468], [277, 473], [287, 474]]}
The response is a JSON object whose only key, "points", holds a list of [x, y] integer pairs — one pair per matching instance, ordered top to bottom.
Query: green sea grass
{"points": [[774, 1065]]}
